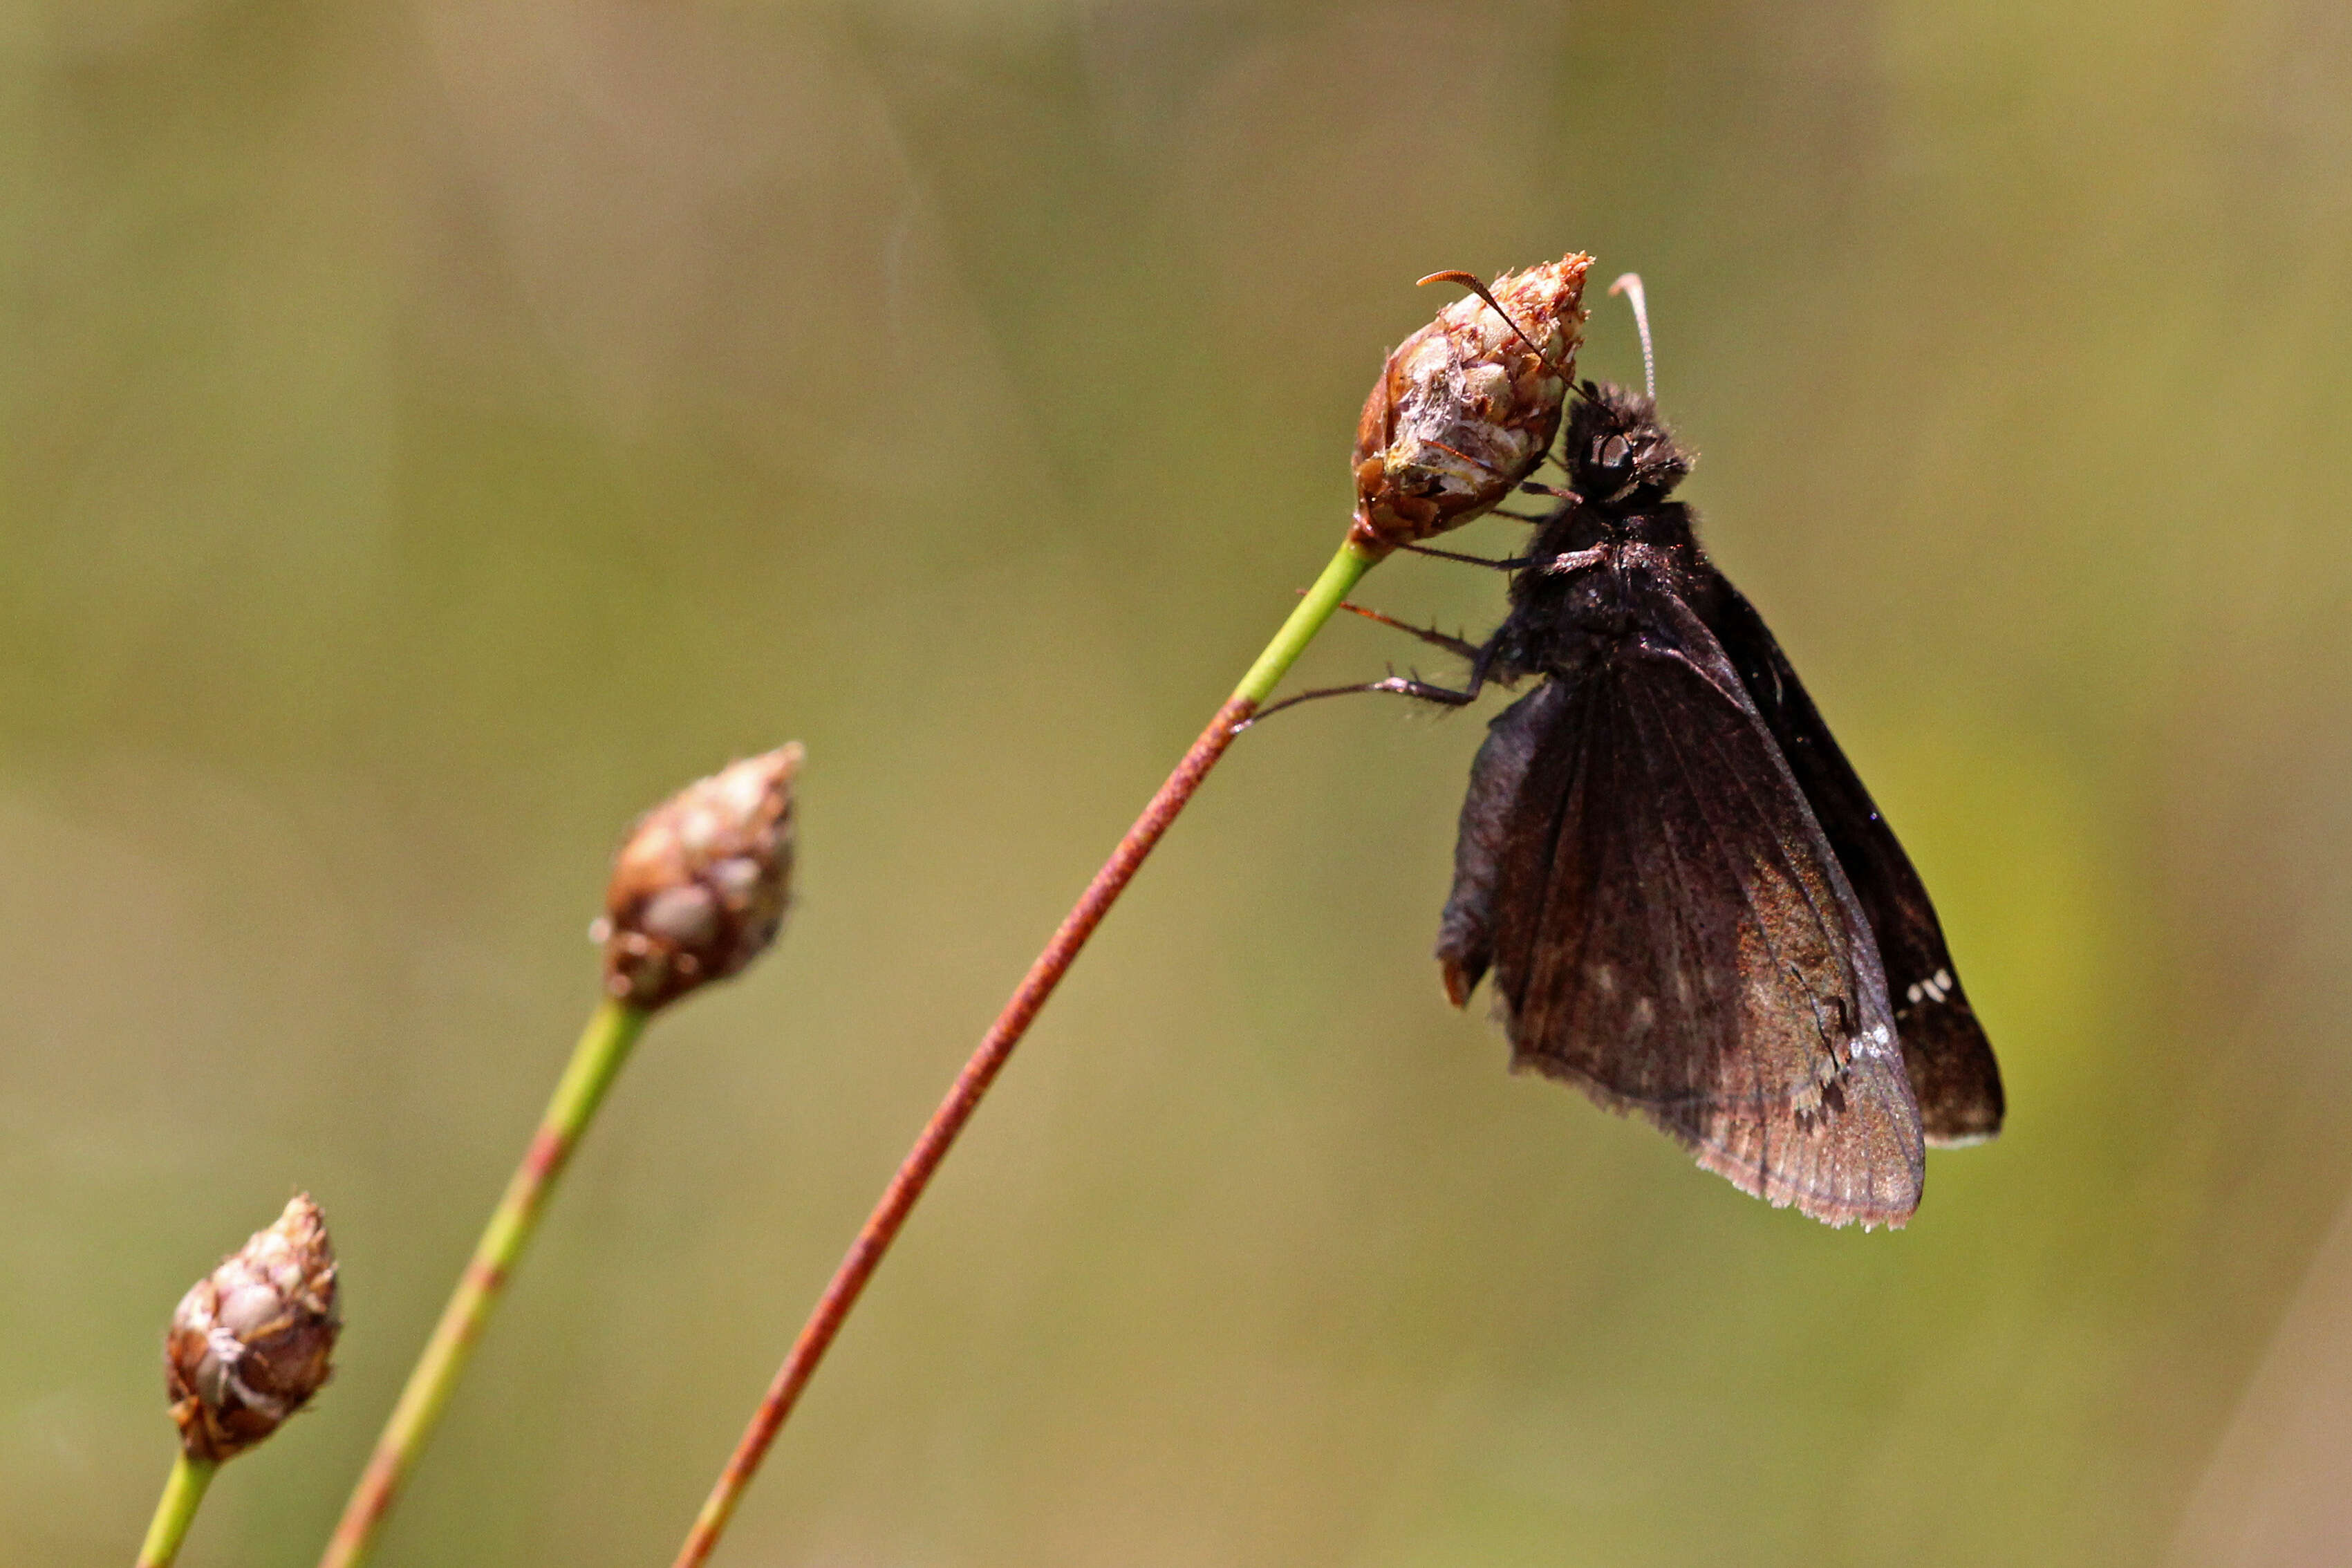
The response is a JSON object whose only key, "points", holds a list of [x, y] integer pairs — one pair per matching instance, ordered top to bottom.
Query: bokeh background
{"points": [[429, 433]]}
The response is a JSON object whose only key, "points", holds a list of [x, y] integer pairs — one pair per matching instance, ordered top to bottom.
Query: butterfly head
{"points": [[1616, 450]]}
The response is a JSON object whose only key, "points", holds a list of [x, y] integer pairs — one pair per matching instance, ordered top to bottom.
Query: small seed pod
{"points": [[1467, 407], [701, 886], [250, 1341]]}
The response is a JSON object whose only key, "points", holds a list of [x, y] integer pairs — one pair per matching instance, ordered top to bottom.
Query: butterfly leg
{"points": [[1576, 560], [1510, 565], [1463, 647], [1396, 686], [1409, 686]]}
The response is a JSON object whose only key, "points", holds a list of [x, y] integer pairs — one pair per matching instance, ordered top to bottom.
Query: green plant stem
{"points": [[1344, 572], [595, 1062], [915, 1172], [183, 1493]]}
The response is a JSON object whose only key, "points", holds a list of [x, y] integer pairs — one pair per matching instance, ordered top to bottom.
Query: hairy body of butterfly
{"points": [[1687, 903]]}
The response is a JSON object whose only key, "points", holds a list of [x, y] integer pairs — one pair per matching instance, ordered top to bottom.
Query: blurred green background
{"points": [[433, 432]]}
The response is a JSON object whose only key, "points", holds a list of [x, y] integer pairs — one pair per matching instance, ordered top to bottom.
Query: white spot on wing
{"points": [[1933, 989]]}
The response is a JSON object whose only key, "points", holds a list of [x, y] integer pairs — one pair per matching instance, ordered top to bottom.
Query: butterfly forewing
{"points": [[1669, 929], [1953, 1074]]}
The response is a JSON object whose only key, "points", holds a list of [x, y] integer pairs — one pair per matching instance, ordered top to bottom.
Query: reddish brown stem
{"points": [[915, 1172]]}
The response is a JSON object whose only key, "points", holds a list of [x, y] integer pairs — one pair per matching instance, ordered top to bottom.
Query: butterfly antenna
{"points": [[1470, 280], [1630, 285]]}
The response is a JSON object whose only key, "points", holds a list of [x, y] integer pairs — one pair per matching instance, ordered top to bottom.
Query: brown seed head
{"points": [[1467, 407], [702, 884], [250, 1341]]}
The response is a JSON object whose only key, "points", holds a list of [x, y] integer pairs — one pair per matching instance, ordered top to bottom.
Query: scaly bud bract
{"points": [[1468, 407], [702, 884], [251, 1342]]}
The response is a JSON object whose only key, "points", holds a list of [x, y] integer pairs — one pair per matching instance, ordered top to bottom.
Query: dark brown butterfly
{"points": [[1689, 906]]}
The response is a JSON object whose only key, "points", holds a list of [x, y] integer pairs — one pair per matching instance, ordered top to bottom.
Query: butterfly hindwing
{"points": [[1494, 830], [1669, 929], [1953, 1076]]}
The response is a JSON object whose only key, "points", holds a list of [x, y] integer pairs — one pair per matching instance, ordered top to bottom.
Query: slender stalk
{"points": [[595, 1062], [915, 1172], [183, 1493]]}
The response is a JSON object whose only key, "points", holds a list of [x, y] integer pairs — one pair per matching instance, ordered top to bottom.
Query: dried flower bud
{"points": [[1467, 407], [701, 886], [249, 1343]]}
